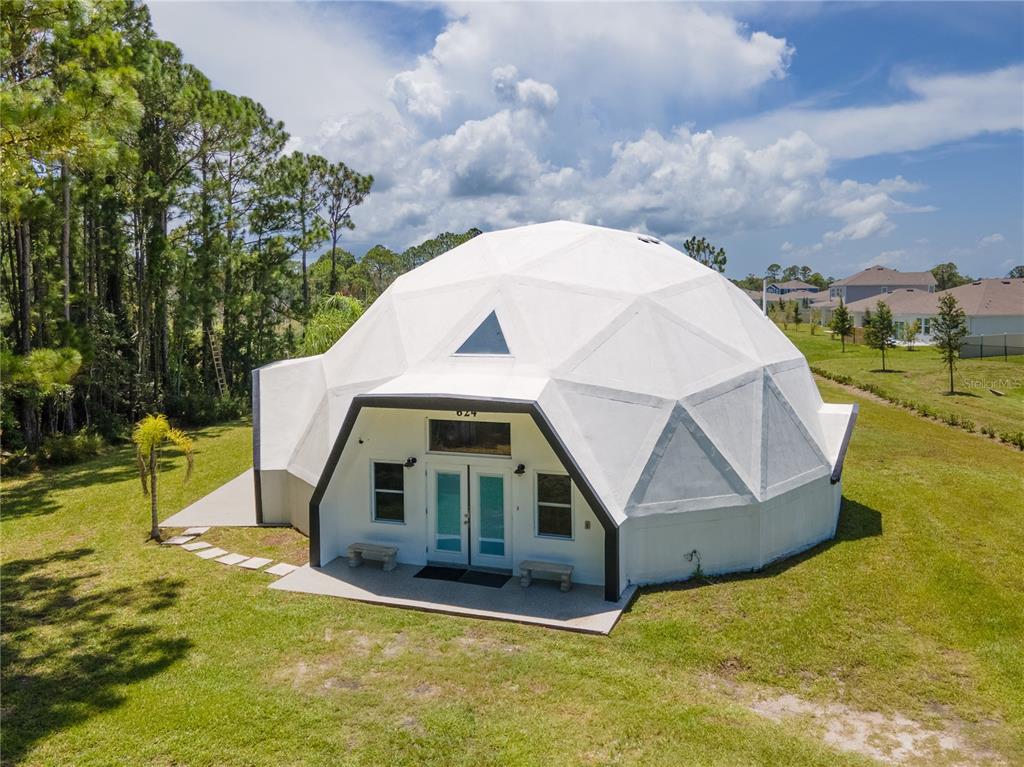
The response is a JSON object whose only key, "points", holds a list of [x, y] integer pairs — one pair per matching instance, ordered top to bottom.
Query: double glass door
{"points": [[468, 515]]}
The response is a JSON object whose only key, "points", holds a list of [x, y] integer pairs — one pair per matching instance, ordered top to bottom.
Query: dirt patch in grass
{"points": [[486, 644], [319, 676], [889, 738]]}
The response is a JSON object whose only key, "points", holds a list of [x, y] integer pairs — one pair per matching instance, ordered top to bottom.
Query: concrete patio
{"points": [[231, 505], [583, 609]]}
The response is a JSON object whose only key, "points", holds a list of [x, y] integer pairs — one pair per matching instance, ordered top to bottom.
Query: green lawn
{"points": [[920, 376], [116, 651]]}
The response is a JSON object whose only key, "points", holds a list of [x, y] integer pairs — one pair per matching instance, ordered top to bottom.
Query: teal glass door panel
{"points": [[449, 511], [492, 515]]}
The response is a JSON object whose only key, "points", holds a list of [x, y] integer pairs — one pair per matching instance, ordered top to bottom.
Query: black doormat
{"points": [[437, 573], [462, 575], [479, 578]]}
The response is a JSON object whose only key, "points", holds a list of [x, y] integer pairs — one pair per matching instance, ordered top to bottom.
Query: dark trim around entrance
{"points": [[484, 405], [257, 481]]}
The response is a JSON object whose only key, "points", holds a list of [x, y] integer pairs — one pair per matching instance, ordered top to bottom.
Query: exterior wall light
{"points": [[410, 462], [520, 470]]}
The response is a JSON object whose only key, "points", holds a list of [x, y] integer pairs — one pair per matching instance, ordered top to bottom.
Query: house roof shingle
{"points": [[881, 275], [793, 285], [993, 298]]}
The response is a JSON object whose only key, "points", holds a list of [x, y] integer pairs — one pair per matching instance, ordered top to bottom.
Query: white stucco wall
{"points": [[393, 435], [285, 499], [737, 539]]}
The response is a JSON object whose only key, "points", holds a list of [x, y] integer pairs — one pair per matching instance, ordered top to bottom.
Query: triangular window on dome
{"points": [[488, 338]]}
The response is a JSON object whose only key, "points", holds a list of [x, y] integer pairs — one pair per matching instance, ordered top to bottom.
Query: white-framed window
{"points": [[926, 326], [387, 492], [554, 505]]}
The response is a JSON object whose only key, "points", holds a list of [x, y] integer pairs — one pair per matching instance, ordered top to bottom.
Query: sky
{"points": [[833, 135]]}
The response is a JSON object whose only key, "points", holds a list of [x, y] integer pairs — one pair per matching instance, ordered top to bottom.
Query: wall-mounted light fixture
{"points": [[410, 462], [520, 470]]}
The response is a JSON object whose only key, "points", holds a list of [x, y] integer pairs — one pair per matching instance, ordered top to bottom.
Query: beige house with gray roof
{"points": [[992, 306]]}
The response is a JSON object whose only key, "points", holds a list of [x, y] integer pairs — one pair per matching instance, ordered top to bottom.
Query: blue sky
{"points": [[835, 135]]}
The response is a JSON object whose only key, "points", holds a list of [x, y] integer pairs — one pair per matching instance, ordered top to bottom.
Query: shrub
{"points": [[203, 410], [1015, 438], [65, 449], [18, 462]]}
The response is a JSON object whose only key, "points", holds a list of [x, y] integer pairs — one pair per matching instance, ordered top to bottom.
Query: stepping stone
{"points": [[196, 530], [178, 540], [196, 546], [211, 553], [232, 559], [254, 563], [281, 568]]}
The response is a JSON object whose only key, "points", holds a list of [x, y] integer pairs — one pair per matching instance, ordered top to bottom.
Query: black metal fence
{"points": [[1003, 345]]}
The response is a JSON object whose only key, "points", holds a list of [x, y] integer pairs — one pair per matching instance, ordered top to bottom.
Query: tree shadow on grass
{"points": [[35, 496], [856, 521], [71, 647]]}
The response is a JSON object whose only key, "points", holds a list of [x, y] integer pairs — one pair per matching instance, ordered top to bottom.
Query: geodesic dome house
{"points": [[560, 392]]}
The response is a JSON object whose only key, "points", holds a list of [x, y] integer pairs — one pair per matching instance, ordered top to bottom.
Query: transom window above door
{"points": [[476, 437]]}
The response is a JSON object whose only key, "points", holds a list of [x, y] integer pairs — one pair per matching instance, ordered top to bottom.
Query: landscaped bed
{"points": [[920, 377], [909, 624]]}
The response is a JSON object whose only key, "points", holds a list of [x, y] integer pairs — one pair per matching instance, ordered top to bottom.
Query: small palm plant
{"points": [[149, 435]]}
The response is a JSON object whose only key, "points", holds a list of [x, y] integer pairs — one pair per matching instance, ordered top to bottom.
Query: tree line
{"points": [[157, 243]]}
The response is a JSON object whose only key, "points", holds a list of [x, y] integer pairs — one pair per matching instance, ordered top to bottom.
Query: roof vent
{"points": [[648, 240], [976, 282], [488, 338]]}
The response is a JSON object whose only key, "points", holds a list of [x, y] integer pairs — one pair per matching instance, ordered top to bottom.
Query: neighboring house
{"points": [[879, 280], [873, 281], [790, 286], [755, 295], [804, 297], [824, 304], [993, 306], [558, 392]]}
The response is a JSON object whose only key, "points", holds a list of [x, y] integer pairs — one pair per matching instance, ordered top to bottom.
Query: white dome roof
{"points": [[665, 382]]}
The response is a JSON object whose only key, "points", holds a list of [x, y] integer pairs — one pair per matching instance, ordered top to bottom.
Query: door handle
{"points": [[465, 520]]}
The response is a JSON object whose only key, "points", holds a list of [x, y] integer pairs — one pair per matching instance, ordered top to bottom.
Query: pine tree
{"points": [[345, 190], [841, 323], [880, 330], [948, 331]]}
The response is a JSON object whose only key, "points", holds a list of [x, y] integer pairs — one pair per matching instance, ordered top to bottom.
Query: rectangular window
{"points": [[926, 326], [478, 437], [388, 492], [554, 505]]}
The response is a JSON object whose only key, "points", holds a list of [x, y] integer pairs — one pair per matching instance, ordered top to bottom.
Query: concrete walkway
{"points": [[230, 505], [582, 609]]}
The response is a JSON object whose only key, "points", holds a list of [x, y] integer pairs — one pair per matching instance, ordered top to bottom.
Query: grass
{"points": [[921, 377], [118, 651]]}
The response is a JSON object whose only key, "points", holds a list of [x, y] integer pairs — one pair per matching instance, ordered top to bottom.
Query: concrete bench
{"points": [[356, 552], [528, 568]]}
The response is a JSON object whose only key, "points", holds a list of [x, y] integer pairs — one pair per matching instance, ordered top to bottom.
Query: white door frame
{"points": [[434, 554], [478, 557]]}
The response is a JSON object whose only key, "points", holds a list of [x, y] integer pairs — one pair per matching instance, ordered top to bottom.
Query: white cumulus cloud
{"points": [[941, 108]]}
